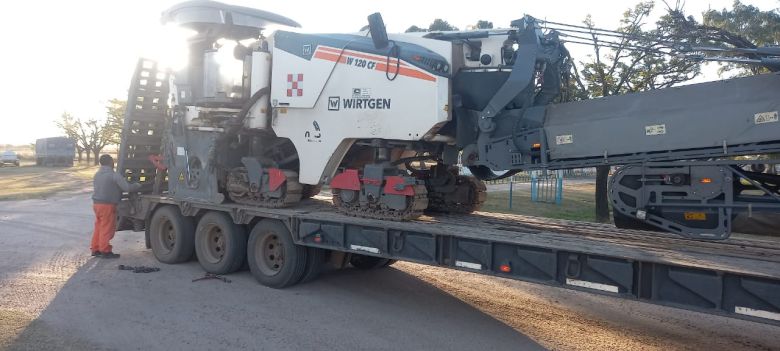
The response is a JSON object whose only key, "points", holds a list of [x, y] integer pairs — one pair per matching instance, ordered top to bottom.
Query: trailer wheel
{"points": [[172, 235], [219, 243], [274, 259], [315, 261], [368, 262]]}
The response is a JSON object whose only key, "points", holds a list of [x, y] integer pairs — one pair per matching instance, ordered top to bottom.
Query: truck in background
{"points": [[57, 151]]}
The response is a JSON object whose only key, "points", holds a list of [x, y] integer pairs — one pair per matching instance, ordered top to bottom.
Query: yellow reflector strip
{"points": [[695, 216]]}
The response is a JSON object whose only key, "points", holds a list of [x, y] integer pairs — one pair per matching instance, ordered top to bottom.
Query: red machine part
{"points": [[275, 178], [347, 180], [350, 180], [392, 181]]}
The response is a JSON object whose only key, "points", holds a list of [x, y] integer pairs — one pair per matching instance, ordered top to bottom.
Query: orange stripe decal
{"points": [[358, 54], [403, 70]]}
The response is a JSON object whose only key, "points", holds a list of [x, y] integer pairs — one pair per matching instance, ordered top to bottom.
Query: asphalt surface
{"points": [[79, 302]]}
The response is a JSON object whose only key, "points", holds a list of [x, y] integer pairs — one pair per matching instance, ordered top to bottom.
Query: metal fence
{"points": [[525, 177], [547, 186]]}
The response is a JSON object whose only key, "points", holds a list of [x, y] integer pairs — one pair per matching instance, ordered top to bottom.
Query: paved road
{"points": [[86, 303]]}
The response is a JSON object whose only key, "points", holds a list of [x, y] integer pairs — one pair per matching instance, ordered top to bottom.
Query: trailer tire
{"points": [[172, 235], [220, 244], [274, 258], [315, 261], [367, 262]]}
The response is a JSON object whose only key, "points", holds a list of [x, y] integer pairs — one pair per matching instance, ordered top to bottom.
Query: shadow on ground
{"points": [[101, 307]]}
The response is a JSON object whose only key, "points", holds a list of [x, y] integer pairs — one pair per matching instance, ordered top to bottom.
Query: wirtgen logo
{"points": [[336, 103]]}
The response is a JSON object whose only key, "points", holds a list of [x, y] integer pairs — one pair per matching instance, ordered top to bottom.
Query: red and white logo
{"points": [[295, 84]]}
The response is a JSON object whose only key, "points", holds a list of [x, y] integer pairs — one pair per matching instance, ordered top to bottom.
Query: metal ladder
{"points": [[142, 132]]}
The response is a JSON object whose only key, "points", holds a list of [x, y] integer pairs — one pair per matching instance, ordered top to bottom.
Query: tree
{"points": [[440, 25], [484, 25], [743, 26], [414, 29], [636, 61], [115, 112], [71, 126], [92, 136], [97, 136]]}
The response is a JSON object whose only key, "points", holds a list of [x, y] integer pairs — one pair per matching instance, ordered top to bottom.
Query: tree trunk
{"points": [[81, 154], [97, 156], [89, 157], [602, 199]]}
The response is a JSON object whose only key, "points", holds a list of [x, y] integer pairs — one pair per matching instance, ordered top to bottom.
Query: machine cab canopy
{"points": [[215, 19]]}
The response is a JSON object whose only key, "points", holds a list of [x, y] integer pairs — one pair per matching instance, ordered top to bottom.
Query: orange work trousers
{"points": [[105, 227]]}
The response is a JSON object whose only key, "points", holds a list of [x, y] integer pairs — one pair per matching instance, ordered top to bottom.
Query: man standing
{"points": [[108, 192]]}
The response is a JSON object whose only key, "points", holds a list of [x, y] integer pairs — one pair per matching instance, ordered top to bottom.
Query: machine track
{"points": [[292, 192], [447, 203], [416, 207]]}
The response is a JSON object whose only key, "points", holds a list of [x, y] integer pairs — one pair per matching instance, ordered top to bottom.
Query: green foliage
{"points": [[481, 24], [441, 25], [742, 26], [761, 28], [414, 29], [636, 62]]}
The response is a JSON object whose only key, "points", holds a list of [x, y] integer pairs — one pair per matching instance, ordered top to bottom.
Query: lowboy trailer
{"points": [[738, 277]]}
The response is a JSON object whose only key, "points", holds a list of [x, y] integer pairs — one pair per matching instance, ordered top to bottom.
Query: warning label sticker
{"points": [[766, 117], [655, 129], [564, 139]]}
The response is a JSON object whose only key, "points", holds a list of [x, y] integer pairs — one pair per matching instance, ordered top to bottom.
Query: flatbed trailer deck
{"points": [[738, 277]]}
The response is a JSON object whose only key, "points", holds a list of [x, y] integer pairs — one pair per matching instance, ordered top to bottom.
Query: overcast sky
{"points": [[75, 55]]}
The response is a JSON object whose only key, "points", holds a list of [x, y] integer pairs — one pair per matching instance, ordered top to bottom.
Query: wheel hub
{"points": [[215, 242], [270, 254]]}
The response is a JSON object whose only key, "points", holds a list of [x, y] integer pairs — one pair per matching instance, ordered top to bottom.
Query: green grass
{"points": [[578, 203]]}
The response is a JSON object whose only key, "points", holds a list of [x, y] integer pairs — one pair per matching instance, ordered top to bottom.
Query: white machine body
{"points": [[324, 103]]}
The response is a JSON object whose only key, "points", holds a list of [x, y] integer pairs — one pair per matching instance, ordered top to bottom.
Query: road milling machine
{"points": [[386, 120]]}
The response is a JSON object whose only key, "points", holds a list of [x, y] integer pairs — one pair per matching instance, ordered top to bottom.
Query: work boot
{"points": [[96, 253], [109, 255]]}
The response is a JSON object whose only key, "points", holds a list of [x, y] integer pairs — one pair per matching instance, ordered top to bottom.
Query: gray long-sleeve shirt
{"points": [[109, 186]]}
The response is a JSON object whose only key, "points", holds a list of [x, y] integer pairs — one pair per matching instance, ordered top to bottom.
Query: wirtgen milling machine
{"points": [[383, 120]]}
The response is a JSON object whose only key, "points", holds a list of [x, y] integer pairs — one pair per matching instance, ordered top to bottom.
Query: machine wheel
{"points": [[626, 222], [172, 235], [220, 244], [274, 259], [368, 262]]}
